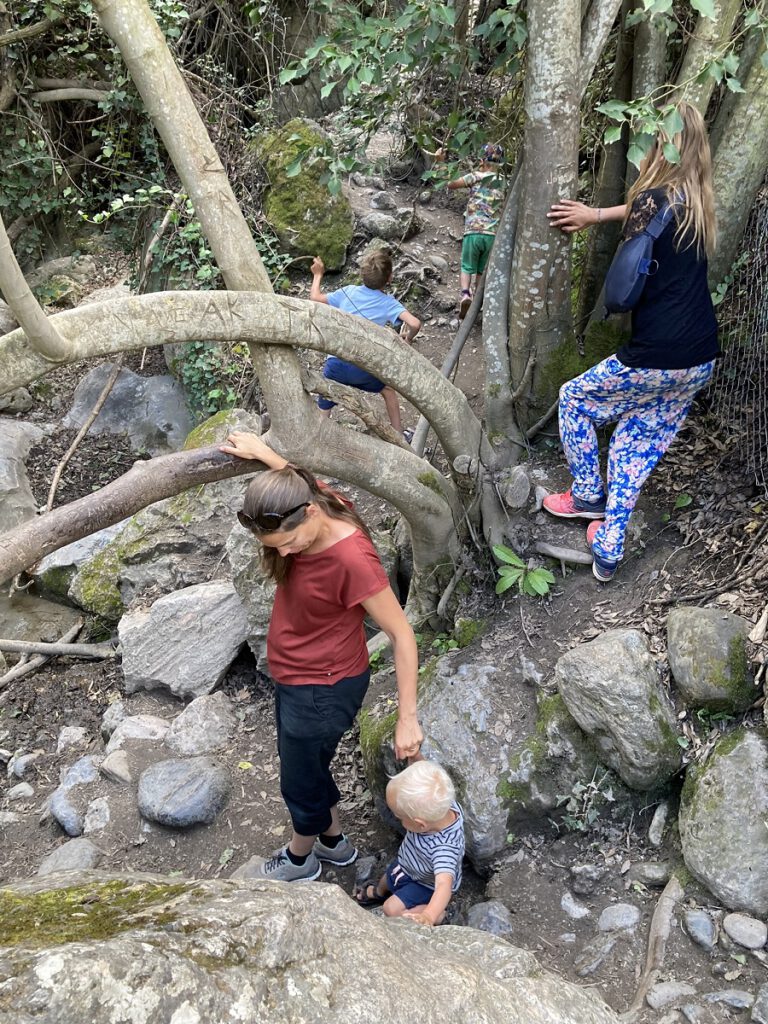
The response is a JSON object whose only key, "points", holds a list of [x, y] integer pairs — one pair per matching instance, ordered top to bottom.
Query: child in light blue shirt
{"points": [[370, 302]]}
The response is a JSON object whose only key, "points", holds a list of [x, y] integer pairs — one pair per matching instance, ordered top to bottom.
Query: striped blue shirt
{"points": [[424, 855]]}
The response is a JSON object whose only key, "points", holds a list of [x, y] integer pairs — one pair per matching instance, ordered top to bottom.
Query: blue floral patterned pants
{"points": [[649, 408]]}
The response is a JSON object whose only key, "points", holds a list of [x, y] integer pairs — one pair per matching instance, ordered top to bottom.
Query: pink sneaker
{"points": [[565, 506], [603, 569]]}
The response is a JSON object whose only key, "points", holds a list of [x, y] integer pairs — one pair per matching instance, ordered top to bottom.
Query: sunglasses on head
{"points": [[268, 522]]}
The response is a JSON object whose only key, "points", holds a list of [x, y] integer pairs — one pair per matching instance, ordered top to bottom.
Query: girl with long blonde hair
{"points": [[647, 388]]}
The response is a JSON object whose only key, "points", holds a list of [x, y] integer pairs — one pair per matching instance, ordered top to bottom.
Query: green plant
{"points": [[211, 375], [681, 501], [534, 582], [709, 719], [585, 801]]}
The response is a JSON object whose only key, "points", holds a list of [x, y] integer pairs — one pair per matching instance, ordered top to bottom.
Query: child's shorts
{"points": [[475, 250], [348, 373], [409, 892]]}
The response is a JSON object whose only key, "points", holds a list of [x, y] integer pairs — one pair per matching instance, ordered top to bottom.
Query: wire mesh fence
{"points": [[739, 390]]}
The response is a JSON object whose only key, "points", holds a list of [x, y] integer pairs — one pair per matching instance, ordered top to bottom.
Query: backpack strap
{"points": [[660, 221]]}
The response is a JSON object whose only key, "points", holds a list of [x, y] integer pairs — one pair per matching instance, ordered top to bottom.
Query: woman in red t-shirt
{"points": [[329, 578]]}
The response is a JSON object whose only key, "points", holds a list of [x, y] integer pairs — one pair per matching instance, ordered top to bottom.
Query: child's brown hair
{"points": [[376, 269]]}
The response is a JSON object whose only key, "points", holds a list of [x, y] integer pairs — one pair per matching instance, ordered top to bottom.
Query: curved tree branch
{"points": [[18, 35], [62, 95]]}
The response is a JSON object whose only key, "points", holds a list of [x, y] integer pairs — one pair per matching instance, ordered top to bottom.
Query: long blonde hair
{"points": [[688, 183], [276, 491]]}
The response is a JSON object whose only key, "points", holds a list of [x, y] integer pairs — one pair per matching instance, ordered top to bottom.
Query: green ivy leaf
{"points": [[706, 8], [612, 134], [671, 153]]}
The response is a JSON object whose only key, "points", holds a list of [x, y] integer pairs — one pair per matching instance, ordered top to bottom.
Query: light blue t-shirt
{"points": [[369, 303]]}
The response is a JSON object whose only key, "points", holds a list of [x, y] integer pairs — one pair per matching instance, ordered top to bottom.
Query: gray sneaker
{"points": [[340, 855], [282, 868]]}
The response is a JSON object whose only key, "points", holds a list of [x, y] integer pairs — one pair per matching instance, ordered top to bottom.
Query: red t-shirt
{"points": [[316, 631]]}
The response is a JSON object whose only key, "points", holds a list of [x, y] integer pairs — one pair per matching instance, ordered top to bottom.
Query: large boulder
{"points": [[306, 217], [151, 411], [16, 501], [172, 544], [54, 574], [184, 642], [707, 651], [612, 688], [509, 758], [723, 814], [84, 947]]}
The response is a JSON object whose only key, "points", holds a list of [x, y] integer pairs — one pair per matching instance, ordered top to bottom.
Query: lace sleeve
{"points": [[644, 209]]}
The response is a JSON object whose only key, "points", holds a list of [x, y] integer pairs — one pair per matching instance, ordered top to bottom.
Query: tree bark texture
{"points": [[709, 40], [539, 300]]}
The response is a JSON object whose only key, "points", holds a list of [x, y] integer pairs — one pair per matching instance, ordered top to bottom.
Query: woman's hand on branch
{"points": [[570, 215], [251, 446]]}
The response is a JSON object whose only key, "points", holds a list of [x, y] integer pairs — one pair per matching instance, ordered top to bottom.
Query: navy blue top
{"points": [[673, 324]]}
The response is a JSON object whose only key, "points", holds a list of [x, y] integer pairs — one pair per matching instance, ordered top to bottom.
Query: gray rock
{"points": [[425, 197], [383, 201], [440, 264], [79, 269], [108, 294], [7, 319], [18, 400], [151, 411], [516, 488], [17, 503], [54, 573], [255, 590], [25, 617], [185, 642], [707, 655], [611, 687], [111, 718], [206, 725], [137, 727], [71, 736], [20, 764], [115, 767], [21, 791], [183, 793], [69, 802], [97, 815], [9, 818], [658, 823], [722, 832], [74, 855], [651, 873], [586, 877], [573, 908], [491, 916], [619, 917], [701, 928], [745, 931], [205, 951], [594, 955], [665, 993], [734, 998], [760, 1008], [695, 1014]]}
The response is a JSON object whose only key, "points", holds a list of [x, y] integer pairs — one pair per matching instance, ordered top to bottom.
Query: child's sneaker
{"points": [[464, 303], [408, 435], [567, 506], [603, 569], [342, 854], [282, 869]]}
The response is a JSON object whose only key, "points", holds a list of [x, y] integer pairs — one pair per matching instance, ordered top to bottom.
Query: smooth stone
{"points": [[111, 718], [138, 727], [71, 736], [18, 766], [115, 767], [22, 791], [180, 793], [67, 804], [97, 816], [658, 823], [74, 855], [652, 873], [573, 908], [491, 916], [618, 918], [701, 928], [746, 931], [594, 955], [666, 992], [735, 998], [695, 1014]]}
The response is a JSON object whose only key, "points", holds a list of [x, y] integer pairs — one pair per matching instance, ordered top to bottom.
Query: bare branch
{"points": [[18, 35], [62, 95], [76, 650], [26, 668]]}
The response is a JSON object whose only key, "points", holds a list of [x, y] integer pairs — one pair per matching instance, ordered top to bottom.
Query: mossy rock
{"points": [[307, 219], [707, 651]]}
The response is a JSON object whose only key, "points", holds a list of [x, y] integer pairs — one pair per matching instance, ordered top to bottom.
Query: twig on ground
{"points": [[83, 430], [74, 650], [26, 666], [658, 933]]}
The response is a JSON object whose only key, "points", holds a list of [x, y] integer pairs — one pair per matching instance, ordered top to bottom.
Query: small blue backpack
{"points": [[633, 264]]}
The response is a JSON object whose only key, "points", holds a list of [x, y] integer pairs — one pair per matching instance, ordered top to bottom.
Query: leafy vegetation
{"points": [[534, 582]]}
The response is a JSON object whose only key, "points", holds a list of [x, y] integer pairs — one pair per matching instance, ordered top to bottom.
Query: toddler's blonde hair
{"points": [[423, 790]]}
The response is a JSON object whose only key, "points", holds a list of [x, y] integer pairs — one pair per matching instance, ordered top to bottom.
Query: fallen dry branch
{"points": [[143, 484], [96, 651], [25, 667], [658, 933]]}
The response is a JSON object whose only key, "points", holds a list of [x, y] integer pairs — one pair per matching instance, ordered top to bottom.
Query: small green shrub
{"points": [[534, 582]]}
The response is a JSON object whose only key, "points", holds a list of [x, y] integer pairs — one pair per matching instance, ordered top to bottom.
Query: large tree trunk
{"points": [[709, 40], [539, 297]]}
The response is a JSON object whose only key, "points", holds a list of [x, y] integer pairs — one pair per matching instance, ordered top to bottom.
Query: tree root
{"points": [[658, 933]]}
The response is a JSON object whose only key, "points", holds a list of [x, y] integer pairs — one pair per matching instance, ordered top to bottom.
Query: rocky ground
{"points": [[579, 893]]}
